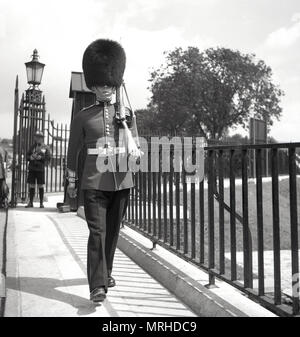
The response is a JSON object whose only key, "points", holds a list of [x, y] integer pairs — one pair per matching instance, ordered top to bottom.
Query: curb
{"points": [[200, 299]]}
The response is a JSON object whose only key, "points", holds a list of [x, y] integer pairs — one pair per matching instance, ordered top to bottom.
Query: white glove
{"points": [[133, 151]]}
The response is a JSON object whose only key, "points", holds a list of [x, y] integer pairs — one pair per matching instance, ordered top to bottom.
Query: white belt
{"points": [[104, 152]]}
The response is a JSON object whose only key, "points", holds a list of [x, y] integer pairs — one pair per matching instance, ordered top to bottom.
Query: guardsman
{"points": [[38, 156], [3, 163], [3, 167], [105, 187]]}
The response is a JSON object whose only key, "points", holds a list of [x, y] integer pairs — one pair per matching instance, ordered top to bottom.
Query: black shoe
{"points": [[29, 205], [42, 205], [111, 282], [98, 295]]}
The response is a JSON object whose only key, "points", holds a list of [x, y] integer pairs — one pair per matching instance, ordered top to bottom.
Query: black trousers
{"points": [[104, 211]]}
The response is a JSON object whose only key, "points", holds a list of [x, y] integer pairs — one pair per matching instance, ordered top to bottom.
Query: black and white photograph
{"points": [[149, 162]]}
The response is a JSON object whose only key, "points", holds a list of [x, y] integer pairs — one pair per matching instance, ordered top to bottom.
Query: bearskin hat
{"points": [[104, 63]]}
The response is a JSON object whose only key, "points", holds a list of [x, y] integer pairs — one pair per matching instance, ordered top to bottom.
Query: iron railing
{"points": [[29, 116], [56, 137], [240, 229]]}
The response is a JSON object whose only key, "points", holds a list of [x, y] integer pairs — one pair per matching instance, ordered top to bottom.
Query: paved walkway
{"points": [[2, 233], [46, 272]]}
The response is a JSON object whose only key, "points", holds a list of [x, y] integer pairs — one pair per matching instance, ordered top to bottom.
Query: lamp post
{"points": [[34, 70], [34, 103], [32, 110], [29, 116]]}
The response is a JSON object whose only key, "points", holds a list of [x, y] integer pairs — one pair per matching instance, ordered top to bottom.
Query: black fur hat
{"points": [[104, 63]]}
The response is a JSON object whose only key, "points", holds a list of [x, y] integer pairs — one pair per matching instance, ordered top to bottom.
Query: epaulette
{"points": [[128, 111], [128, 116]]}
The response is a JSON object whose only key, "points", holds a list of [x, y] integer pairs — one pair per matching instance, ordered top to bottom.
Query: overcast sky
{"points": [[62, 29]]}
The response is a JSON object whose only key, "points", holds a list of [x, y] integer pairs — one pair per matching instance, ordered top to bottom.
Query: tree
{"points": [[205, 93], [147, 120]]}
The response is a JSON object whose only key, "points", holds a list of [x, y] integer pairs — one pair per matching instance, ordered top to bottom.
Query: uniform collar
{"points": [[98, 103]]}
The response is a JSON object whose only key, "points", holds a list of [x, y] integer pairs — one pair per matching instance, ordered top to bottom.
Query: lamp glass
{"points": [[34, 71]]}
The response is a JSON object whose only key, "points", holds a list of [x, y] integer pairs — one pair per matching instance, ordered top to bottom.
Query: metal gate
{"points": [[29, 116]]}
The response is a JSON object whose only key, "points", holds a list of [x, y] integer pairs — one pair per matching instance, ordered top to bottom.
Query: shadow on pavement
{"points": [[36, 209], [46, 287]]}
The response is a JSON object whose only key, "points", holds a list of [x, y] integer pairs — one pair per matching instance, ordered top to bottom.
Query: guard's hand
{"points": [[133, 151], [135, 154], [33, 156], [72, 190]]}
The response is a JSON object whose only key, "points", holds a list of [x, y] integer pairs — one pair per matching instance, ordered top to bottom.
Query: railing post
{"points": [[52, 151], [56, 155], [61, 156], [171, 177], [149, 190], [159, 191], [141, 192], [145, 192], [131, 196], [136, 198], [177, 198], [154, 200], [165, 200], [13, 202], [221, 213], [128, 215], [232, 218], [193, 220], [185, 224], [202, 224], [211, 225], [276, 227], [260, 228], [294, 230], [247, 242]]}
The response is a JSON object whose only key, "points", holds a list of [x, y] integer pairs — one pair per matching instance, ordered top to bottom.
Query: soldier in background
{"points": [[38, 156], [3, 165], [105, 192]]}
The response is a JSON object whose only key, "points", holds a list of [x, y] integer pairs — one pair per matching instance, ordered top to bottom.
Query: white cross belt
{"points": [[104, 152]]}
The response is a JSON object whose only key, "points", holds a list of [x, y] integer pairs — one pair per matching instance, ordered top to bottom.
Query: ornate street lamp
{"points": [[34, 70], [34, 102], [29, 116]]}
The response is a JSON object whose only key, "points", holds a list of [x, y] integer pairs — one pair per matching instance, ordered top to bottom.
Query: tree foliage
{"points": [[205, 93]]}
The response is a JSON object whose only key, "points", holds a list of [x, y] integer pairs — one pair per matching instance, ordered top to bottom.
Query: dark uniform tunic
{"points": [[89, 128], [3, 159], [36, 167], [105, 192]]}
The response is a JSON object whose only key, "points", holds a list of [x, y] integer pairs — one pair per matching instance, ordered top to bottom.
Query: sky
{"points": [[61, 30]]}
